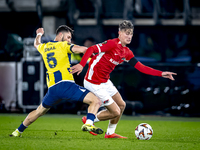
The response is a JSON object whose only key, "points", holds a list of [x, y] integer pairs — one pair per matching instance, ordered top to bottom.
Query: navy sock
{"points": [[91, 116], [22, 127]]}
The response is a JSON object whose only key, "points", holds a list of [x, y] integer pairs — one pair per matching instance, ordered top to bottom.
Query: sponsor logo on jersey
{"points": [[114, 62]]}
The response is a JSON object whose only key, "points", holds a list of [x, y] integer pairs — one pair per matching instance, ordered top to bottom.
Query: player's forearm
{"points": [[37, 40], [79, 49], [86, 56], [144, 69], [147, 70]]}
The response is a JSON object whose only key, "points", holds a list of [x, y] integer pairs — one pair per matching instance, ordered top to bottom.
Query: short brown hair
{"points": [[125, 25], [64, 28]]}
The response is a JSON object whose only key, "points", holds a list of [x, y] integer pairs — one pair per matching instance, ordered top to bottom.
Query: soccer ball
{"points": [[143, 131]]}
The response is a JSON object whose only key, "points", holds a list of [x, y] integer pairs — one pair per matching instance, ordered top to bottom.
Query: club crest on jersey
{"points": [[104, 42], [101, 44]]}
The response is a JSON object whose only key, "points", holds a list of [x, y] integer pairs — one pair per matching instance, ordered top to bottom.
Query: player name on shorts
{"points": [[50, 48], [114, 62]]}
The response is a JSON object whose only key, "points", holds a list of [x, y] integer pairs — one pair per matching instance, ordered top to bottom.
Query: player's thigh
{"points": [[110, 88], [71, 91], [100, 91], [113, 92], [104, 96], [51, 97], [90, 98], [118, 99]]}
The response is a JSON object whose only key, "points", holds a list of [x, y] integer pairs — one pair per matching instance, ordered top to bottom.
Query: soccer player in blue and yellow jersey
{"points": [[61, 86]]}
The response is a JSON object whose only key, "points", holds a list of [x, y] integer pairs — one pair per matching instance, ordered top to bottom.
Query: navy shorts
{"points": [[64, 90]]}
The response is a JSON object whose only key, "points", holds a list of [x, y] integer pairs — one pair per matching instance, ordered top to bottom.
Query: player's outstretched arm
{"points": [[39, 32], [79, 49], [79, 67], [150, 71]]}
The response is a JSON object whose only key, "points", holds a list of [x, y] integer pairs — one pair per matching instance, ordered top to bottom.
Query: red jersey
{"points": [[110, 54]]}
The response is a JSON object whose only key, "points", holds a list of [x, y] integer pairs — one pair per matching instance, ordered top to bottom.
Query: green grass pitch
{"points": [[56, 132]]}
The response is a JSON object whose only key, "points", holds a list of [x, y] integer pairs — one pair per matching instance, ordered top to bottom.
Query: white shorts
{"points": [[104, 91]]}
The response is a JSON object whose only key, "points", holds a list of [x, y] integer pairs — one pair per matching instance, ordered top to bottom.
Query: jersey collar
{"points": [[53, 41]]}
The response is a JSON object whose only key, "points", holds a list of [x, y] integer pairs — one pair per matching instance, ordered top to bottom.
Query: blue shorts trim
{"points": [[64, 91], [83, 95]]}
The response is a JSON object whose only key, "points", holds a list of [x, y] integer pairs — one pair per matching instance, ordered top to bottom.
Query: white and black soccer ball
{"points": [[143, 131]]}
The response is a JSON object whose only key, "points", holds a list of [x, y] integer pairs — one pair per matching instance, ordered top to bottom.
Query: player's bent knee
{"points": [[97, 101], [122, 106], [114, 110], [116, 113]]}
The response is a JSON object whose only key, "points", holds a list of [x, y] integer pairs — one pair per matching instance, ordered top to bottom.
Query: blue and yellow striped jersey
{"points": [[57, 59]]}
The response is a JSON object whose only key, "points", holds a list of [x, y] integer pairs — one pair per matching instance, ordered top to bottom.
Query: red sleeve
{"points": [[106, 46], [98, 48], [130, 55], [147, 70]]}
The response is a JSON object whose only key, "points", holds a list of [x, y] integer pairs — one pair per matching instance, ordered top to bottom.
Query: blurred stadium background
{"points": [[166, 37]]}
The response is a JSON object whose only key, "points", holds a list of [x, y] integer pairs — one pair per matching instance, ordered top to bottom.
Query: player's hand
{"points": [[40, 30], [76, 68], [168, 75]]}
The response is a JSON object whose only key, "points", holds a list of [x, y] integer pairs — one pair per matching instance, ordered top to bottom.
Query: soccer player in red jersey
{"points": [[108, 55]]}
